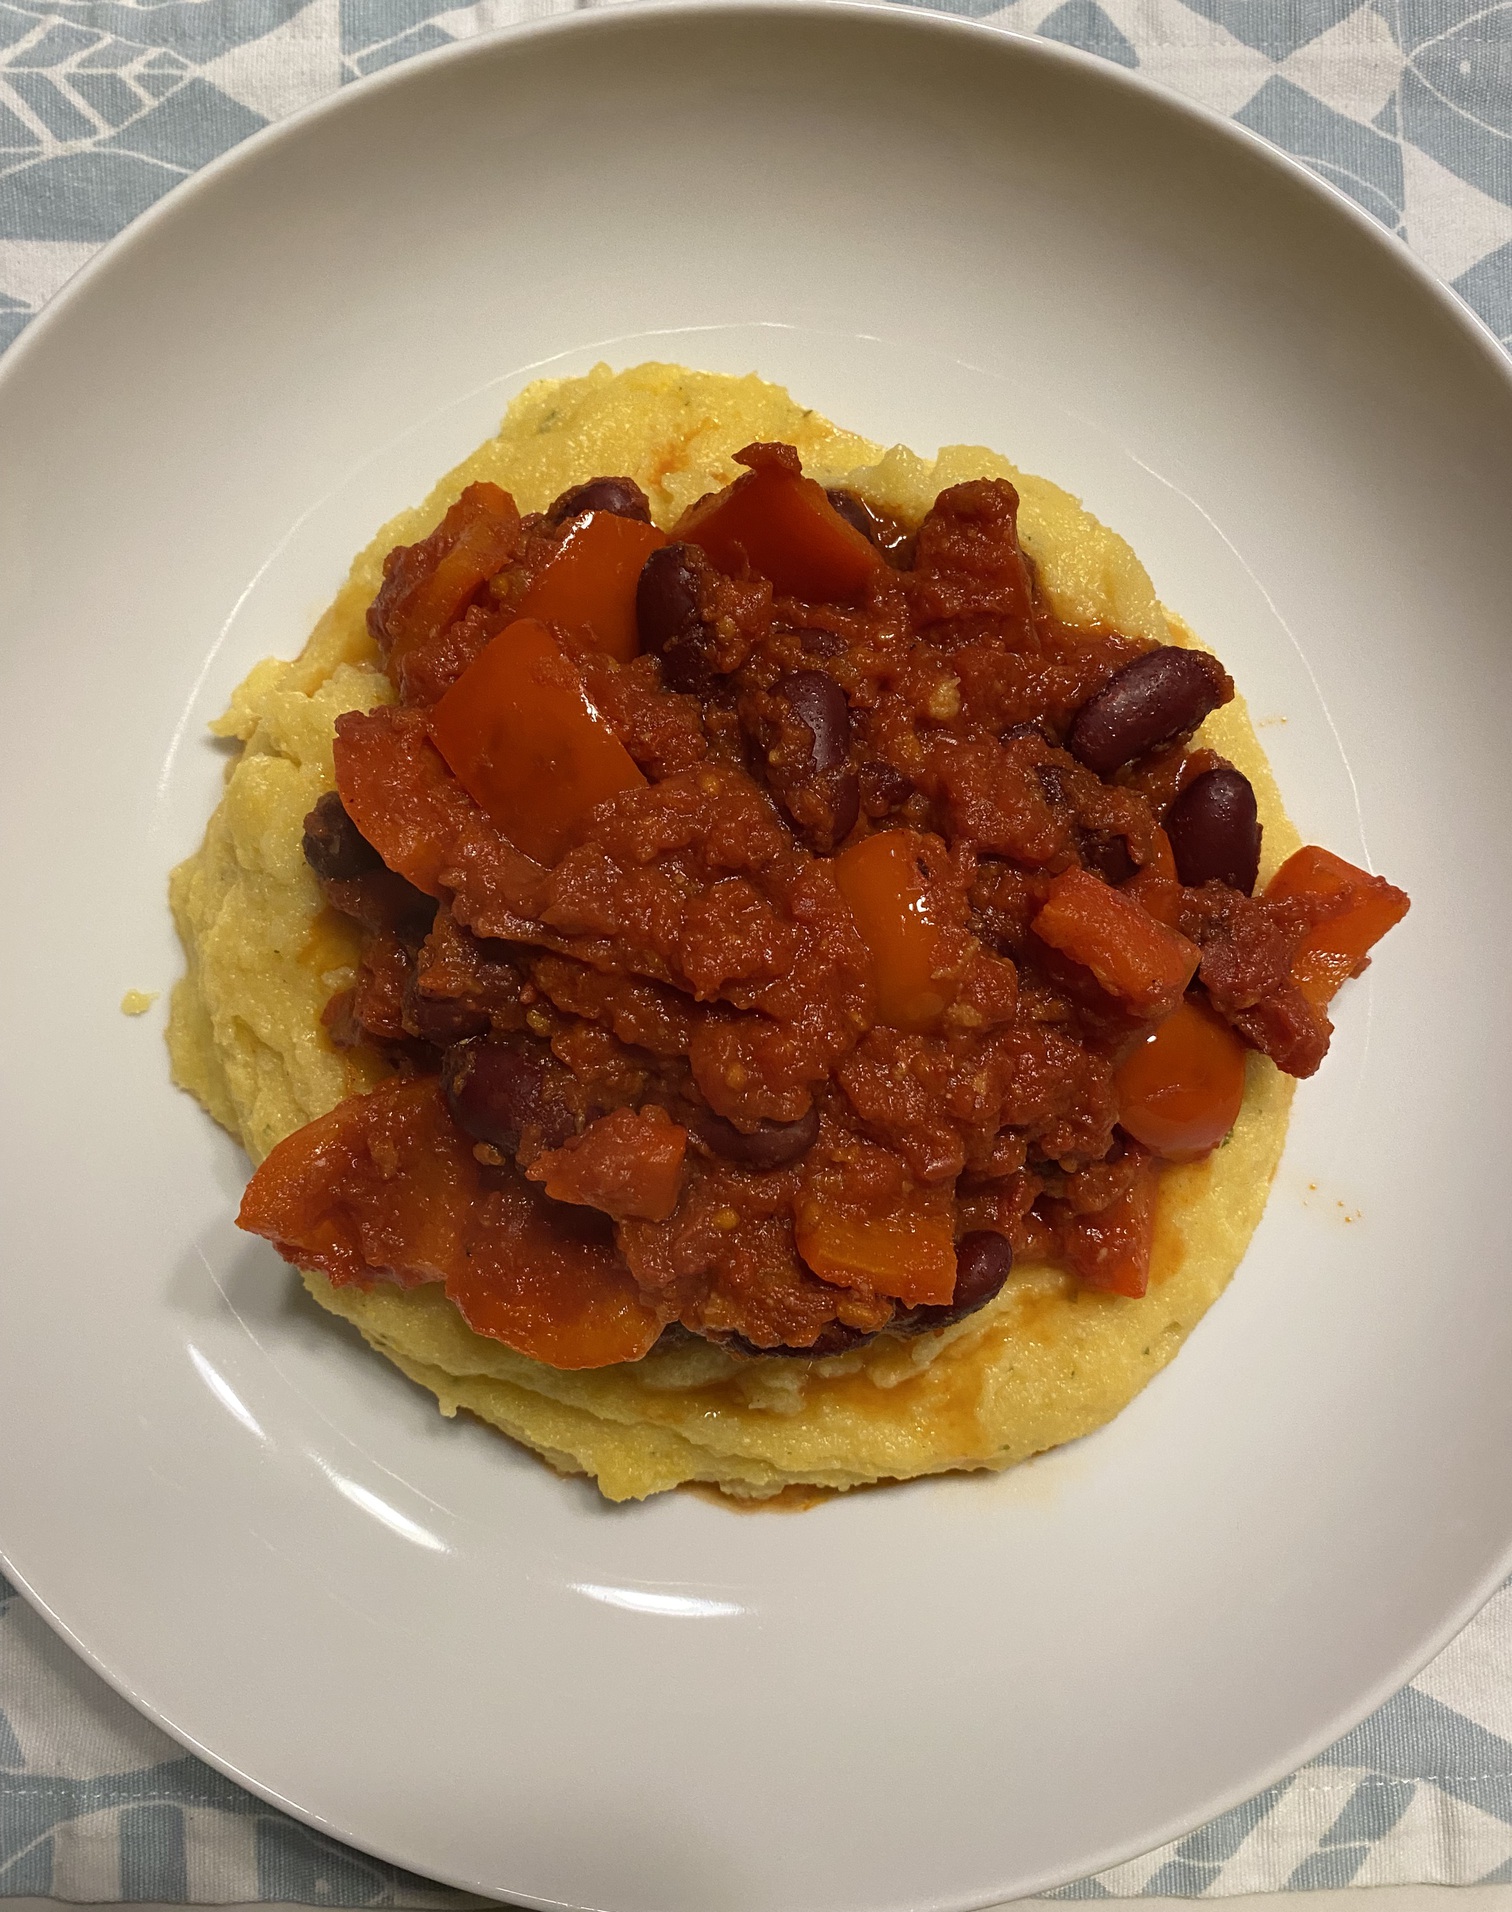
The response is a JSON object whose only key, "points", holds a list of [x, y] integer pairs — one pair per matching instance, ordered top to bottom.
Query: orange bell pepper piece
{"points": [[782, 526], [477, 537], [588, 588], [523, 740], [881, 879], [1337, 948], [1139, 960], [1180, 1091], [630, 1165], [385, 1188], [1110, 1250], [908, 1253]]}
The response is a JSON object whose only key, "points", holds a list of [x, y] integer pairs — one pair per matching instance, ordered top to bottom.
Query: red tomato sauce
{"points": [[772, 927]]}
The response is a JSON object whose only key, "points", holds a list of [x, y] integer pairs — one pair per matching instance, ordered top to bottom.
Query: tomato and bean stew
{"points": [[778, 925]]}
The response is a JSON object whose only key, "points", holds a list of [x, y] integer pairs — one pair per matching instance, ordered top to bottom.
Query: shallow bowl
{"points": [[412, 1634]]}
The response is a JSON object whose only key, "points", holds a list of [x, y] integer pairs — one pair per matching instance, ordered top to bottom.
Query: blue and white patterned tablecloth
{"points": [[106, 104]]}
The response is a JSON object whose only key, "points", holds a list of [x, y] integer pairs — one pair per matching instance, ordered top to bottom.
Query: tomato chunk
{"points": [[782, 526], [588, 587], [523, 740], [883, 881], [1338, 947], [1141, 961], [1180, 1091], [385, 1188], [1110, 1250], [908, 1253]]}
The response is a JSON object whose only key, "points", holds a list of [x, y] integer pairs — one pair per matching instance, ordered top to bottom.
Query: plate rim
{"points": [[903, 16]]}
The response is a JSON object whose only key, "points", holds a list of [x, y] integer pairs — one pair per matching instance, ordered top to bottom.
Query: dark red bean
{"points": [[622, 496], [855, 513], [877, 527], [668, 618], [1154, 700], [818, 703], [818, 789], [1215, 830], [334, 847], [497, 1089], [769, 1145], [984, 1261]]}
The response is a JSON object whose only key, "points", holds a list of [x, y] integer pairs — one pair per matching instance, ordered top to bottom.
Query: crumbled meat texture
{"points": [[692, 953]]}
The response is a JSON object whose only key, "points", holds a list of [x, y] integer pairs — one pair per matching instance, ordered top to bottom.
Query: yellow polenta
{"points": [[1042, 1364]]}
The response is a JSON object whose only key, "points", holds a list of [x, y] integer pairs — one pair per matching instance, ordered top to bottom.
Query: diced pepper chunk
{"points": [[783, 527], [426, 585], [588, 587], [522, 739], [883, 882], [1338, 947], [1134, 957], [1180, 1091], [628, 1164], [379, 1187], [385, 1188], [1110, 1250], [908, 1252], [549, 1290]]}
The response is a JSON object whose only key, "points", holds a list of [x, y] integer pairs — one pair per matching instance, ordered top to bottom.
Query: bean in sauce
{"points": [[622, 496], [667, 617], [1152, 701], [1215, 831], [334, 847], [496, 1090], [769, 1145]]}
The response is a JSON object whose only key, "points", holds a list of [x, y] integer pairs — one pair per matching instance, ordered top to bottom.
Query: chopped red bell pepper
{"points": [[782, 526], [426, 585], [588, 587], [523, 740], [883, 882], [1338, 947], [1141, 961], [1180, 1091], [385, 1188], [1111, 1249], [908, 1252]]}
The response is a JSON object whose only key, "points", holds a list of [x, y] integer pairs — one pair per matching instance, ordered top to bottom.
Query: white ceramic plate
{"points": [[405, 1630]]}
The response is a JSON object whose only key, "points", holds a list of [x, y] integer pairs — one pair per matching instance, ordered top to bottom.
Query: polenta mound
{"points": [[1046, 1361]]}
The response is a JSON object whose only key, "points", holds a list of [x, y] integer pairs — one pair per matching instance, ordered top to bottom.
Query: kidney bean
{"points": [[622, 496], [855, 513], [877, 527], [668, 618], [1152, 701], [818, 703], [819, 791], [1215, 830], [334, 847], [496, 1089], [769, 1145], [984, 1261]]}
